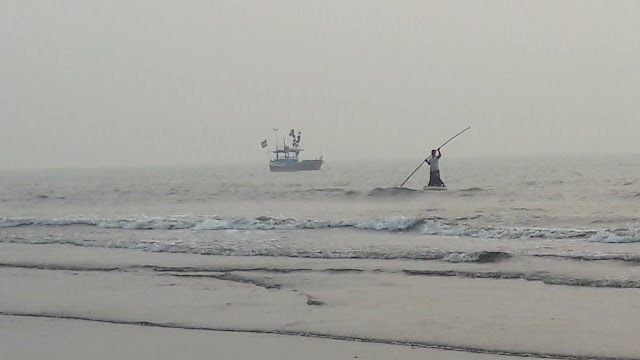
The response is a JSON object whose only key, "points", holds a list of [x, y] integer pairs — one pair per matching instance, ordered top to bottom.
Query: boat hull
{"points": [[305, 165]]}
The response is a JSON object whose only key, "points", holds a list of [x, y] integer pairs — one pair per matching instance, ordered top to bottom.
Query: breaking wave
{"points": [[218, 223], [427, 226], [432, 227], [622, 236], [481, 257]]}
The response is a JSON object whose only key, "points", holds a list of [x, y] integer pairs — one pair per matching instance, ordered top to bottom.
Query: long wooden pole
{"points": [[455, 136], [441, 146], [414, 171]]}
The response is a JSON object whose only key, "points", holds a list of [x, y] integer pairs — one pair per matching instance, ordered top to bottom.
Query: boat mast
{"points": [[275, 134], [284, 147]]}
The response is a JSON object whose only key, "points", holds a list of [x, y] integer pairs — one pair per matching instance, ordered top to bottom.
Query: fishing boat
{"points": [[287, 158]]}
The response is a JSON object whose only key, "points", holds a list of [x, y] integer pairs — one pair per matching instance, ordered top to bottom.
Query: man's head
{"points": [[433, 152]]}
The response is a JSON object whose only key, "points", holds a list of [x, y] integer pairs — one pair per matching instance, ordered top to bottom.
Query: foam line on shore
{"points": [[225, 274]]}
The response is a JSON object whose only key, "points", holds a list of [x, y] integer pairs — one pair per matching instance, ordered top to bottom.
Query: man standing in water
{"points": [[434, 170]]}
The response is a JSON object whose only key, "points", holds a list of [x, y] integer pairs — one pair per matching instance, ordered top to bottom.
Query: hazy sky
{"points": [[127, 82]]}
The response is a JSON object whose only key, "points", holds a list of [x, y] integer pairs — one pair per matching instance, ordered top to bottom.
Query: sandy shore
{"points": [[63, 302], [34, 338]]}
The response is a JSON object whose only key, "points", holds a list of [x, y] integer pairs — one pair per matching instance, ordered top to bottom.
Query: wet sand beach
{"points": [[146, 305]]}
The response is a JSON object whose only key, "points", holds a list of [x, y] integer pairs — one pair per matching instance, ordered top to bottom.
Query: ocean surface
{"points": [[576, 207]]}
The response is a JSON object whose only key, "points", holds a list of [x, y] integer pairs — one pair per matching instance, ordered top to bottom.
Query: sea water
{"points": [[583, 207]]}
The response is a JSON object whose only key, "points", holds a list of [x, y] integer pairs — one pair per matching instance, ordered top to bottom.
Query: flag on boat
{"points": [[264, 144]]}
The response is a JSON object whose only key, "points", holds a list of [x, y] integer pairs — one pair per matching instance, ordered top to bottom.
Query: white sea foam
{"points": [[15, 222], [260, 223], [396, 224], [453, 229], [606, 236], [461, 257]]}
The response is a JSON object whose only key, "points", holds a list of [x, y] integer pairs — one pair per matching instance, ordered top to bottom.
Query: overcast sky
{"points": [[133, 82]]}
